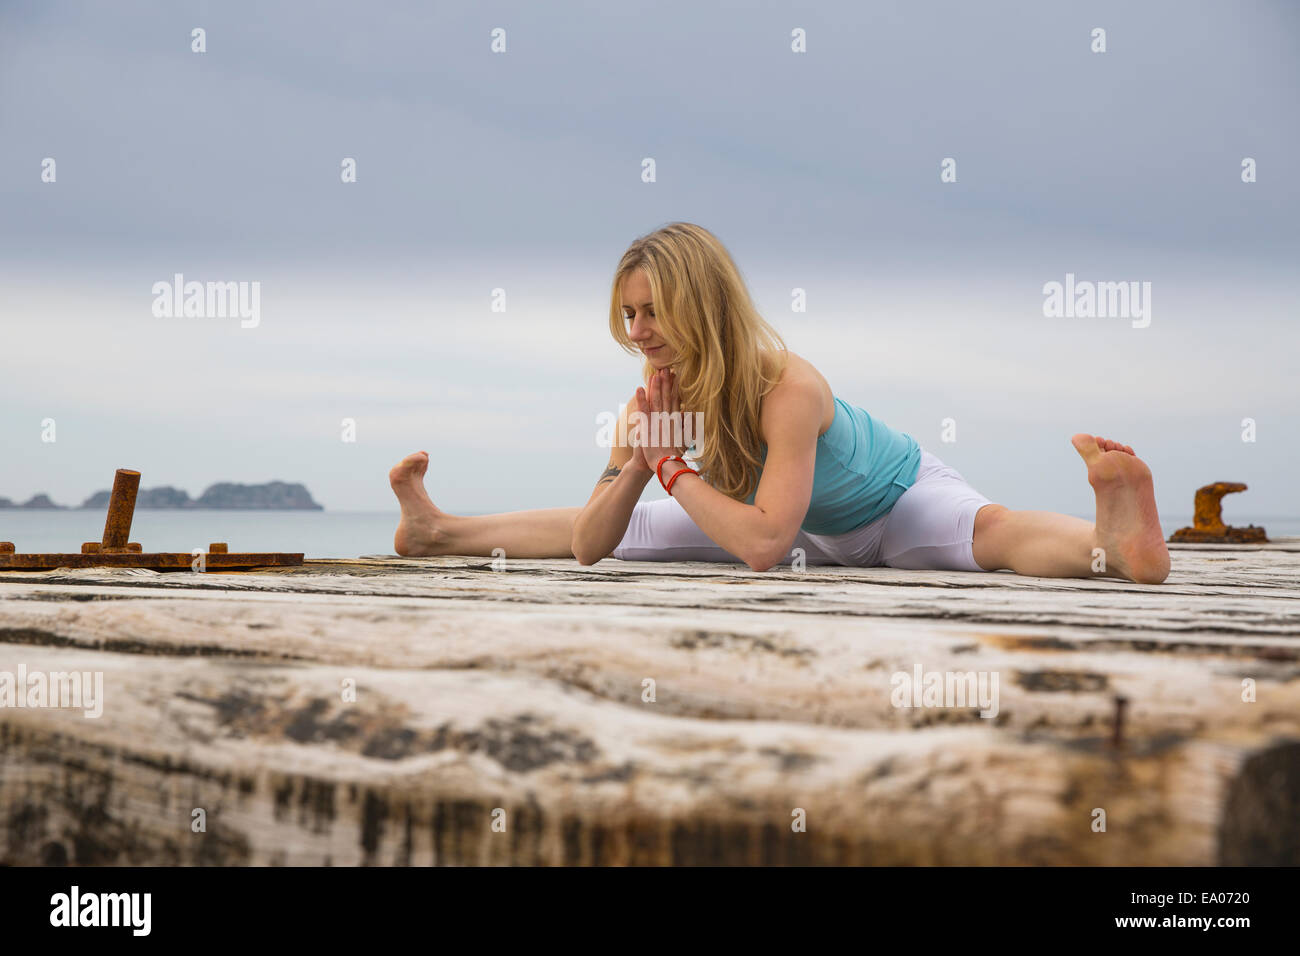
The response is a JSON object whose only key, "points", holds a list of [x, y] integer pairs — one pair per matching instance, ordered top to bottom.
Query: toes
{"points": [[1107, 444], [1087, 446], [1092, 446], [410, 467]]}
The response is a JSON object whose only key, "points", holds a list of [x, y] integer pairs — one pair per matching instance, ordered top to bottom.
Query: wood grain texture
{"points": [[520, 691]]}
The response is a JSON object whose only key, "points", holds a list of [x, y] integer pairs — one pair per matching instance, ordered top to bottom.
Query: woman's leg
{"points": [[941, 522], [932, 525], [426, 530], [661, 530], [657, 531], [1125, 542], [1042, 543]]}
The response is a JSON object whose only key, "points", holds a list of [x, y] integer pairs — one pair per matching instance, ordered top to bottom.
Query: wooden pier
{"points": [[448, 711]]}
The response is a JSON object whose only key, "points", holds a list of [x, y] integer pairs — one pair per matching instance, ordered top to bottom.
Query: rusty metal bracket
{"points": [[1207, 521], [116, 550]]}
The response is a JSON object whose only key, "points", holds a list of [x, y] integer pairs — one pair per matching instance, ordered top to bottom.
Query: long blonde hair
{"points": [[728, 356]]}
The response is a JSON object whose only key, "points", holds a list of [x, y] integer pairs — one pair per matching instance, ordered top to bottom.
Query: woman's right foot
{"points": [[1128, 526], [422, 531]]}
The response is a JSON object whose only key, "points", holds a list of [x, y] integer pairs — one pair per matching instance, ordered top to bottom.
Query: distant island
{"points": [[225, 495]]}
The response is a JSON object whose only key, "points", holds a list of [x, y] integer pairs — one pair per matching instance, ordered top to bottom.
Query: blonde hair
{"points": [[728, 356]]}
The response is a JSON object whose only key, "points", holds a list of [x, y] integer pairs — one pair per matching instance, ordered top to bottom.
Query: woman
{"points": [[788, 471]]}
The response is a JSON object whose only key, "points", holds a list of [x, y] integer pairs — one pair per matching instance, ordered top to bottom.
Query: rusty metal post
{"points": [[121, 510], [1207, 523], [117, 550]]}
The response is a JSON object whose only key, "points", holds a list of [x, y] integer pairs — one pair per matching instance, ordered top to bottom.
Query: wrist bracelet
{"points": [[659, 468], [669, 487]]}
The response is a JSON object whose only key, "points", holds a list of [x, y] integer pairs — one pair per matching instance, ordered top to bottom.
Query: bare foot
{"points": [[1128, 527], [422, 529]]}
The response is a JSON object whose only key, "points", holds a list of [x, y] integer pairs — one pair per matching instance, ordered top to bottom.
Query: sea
{"points": [[318, 534]]}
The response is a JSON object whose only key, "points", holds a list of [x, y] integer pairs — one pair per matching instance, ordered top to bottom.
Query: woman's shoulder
{"points": [[789, 367], [800, 381]]}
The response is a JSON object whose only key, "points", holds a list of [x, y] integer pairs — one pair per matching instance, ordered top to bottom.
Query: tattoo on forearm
{"points": [[610, 474]]}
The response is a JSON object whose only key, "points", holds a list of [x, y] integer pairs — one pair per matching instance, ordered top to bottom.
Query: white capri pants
{"points": [[931, 527]]}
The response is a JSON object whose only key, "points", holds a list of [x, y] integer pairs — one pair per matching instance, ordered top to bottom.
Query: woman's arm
{"points": [[601, 524], [763, 533]]}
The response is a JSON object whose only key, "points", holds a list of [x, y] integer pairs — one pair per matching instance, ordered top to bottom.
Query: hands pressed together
{"points": [[661, 398]]}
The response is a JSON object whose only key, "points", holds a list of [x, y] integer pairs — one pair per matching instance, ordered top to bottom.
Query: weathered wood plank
{"points": [[736, 664], [522, 689], [413, 770]]}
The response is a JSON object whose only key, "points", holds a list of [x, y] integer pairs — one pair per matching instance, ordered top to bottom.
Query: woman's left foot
{"points": [[1128, 527], [422, 529]]}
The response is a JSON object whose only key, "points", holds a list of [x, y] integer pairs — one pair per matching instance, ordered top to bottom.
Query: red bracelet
{"points": [[659, 468], [669, 487]]}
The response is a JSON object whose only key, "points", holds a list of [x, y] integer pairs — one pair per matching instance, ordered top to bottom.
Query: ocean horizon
{"points": [[318, 534]]}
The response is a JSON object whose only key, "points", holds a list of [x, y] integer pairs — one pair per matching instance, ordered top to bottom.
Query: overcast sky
{"points": [[522, 171]]}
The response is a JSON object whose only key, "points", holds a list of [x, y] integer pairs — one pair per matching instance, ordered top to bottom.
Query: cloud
{"points": [[522, 172]]}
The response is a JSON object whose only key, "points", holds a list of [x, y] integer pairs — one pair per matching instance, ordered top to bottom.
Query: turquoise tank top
{"points": [[863, 466]]}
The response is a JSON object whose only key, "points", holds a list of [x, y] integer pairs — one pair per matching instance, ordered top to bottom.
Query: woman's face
{"points": [[642, 327]]}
